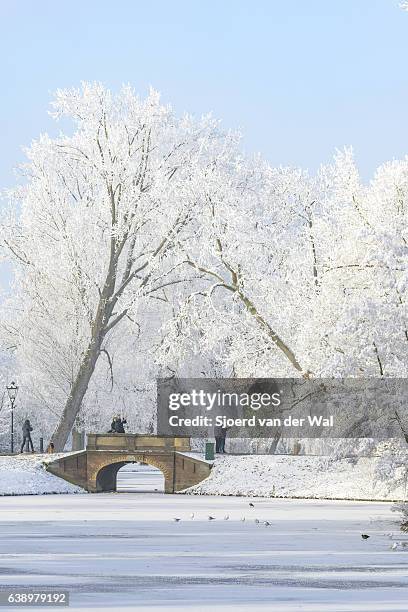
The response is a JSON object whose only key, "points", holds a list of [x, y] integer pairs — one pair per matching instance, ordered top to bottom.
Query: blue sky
{"points": [[299, 77]]}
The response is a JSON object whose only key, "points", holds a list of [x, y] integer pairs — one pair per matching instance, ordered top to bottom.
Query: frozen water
{"points": [[137, 478], [115, 551]]}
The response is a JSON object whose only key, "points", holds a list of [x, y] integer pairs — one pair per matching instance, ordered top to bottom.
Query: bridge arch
{"points": [[106, 477], [139, 478]]}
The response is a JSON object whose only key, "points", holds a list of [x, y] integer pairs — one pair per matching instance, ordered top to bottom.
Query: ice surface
{"points": [[137, 478], [114, 551]]}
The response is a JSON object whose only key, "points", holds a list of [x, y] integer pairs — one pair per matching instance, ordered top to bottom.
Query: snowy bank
{"points": [[26, 475], [363, 478]]}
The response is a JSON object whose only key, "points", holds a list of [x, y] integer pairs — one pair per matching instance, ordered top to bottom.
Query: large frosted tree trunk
{"points": [[105, 319], [101, 325], [78, 391]]}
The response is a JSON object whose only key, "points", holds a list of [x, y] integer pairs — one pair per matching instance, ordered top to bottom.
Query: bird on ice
{"points": [[251, 505], [192, 516], [226, 517], [211, 518], [176, 519], [243, 519], [257, 521], [267, 523], [365, 536]]}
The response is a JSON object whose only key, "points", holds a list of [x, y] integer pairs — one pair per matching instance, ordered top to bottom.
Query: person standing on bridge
{"points": [[120, 423], [117, 425], [27, 429]]}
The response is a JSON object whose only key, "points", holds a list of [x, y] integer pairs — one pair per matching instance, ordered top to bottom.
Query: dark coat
{"points": [[119, 426], [27, 428], [220, 432]]}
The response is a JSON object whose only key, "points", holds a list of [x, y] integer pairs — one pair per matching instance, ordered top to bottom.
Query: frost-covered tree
{"points": [[249, 227], [96, 229], [320, 262], [252, 270], [5, 379]]}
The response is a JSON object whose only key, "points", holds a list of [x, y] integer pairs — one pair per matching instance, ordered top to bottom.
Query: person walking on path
{"points": [[27, 429]]}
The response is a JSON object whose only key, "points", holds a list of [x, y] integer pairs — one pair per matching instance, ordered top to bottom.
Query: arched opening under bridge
{"points": [[139, 478]]}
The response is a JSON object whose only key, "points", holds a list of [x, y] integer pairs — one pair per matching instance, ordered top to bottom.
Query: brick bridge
{"points": [[96, 467]]}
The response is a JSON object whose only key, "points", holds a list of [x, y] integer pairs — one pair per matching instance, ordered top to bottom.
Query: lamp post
{"points": [[12, 393]]}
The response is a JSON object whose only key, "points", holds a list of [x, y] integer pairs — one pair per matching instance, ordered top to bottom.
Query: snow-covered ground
{"points": [[26, 475], [363, 478], [114, 551]]}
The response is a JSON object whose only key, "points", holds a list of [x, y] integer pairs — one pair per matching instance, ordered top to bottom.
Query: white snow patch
{"points": [[196, 455], [26, 475], [358, 478]]}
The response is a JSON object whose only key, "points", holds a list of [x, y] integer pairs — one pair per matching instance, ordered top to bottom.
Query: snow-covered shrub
{"points": [[391, 469]]}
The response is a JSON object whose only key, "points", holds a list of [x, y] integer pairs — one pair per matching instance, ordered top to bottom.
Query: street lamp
{"points": [[12, 393]]}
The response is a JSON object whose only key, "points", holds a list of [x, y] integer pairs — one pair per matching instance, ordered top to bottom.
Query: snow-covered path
{"points": [[124, 550]]}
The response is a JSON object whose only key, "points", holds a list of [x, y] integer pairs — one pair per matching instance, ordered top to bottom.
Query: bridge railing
{"points": [[137, 442]]}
